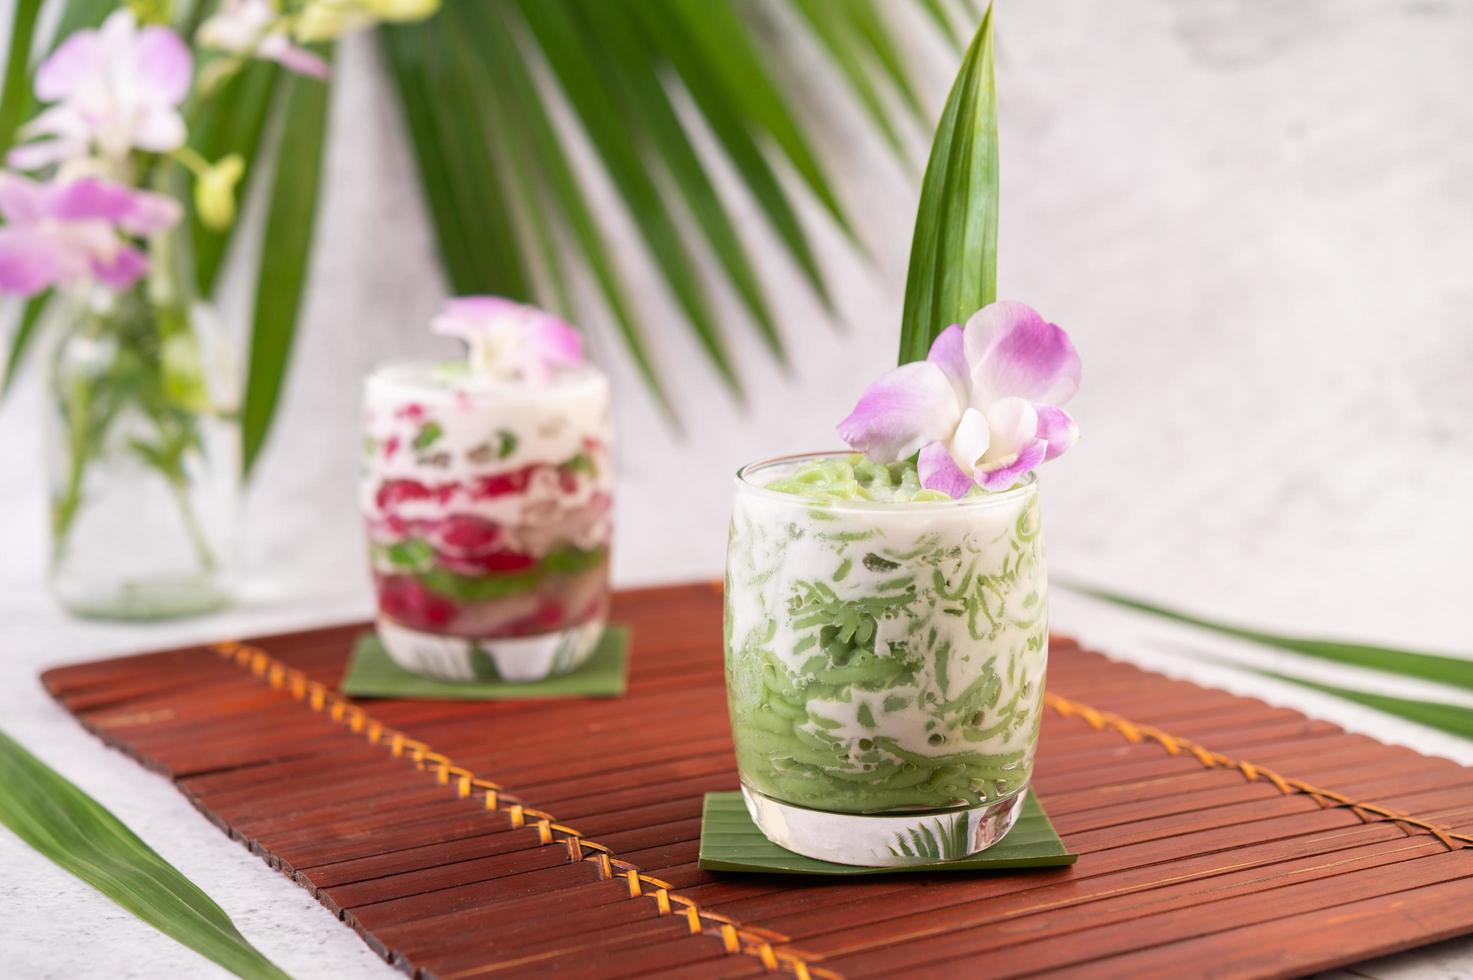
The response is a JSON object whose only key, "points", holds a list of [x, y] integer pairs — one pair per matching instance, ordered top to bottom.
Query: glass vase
{"points": [[143, 456]]}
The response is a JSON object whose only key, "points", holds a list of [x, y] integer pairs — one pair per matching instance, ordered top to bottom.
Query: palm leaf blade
{"points": [[943, 21], [830, 22], [867, 22], [724, 45], [567, 53], [632, 73], [16, 94], [733, 128], [453, 143], [563, 188], [285, 251], [953, 255], [1452, 671], [1454, 718], [71, 829]]}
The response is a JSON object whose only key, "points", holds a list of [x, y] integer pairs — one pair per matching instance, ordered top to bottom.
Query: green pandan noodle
{"points": [[884, 650]]}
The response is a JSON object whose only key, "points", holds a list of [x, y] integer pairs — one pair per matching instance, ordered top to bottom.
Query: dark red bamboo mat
{"points": [[506, 838]]}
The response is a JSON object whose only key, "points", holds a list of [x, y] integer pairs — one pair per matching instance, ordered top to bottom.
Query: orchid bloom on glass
{"points": [[258, 29], [115, 89], [62, 234], [508, 340], [982, 409]]}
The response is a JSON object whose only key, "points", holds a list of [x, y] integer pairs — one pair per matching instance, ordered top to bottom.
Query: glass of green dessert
{"points": [[886, 630]]}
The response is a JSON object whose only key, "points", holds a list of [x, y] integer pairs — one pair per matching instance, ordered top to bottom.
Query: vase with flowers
{"points": [[143, 395]]}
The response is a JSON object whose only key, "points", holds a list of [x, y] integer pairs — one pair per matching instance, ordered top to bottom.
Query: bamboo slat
{"points": [[518, 838]]}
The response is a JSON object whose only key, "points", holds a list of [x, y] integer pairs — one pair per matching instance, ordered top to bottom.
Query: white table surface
{"points": [[54, 926]]}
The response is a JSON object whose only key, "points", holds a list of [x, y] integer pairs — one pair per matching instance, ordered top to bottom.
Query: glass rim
{"points": [[397, 379], [1025, 487]]}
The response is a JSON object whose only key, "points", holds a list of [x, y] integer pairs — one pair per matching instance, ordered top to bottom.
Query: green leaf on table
{"points": [[285, 251], [953, 255], [1453, 671], [1454, 718], [74, 831]]}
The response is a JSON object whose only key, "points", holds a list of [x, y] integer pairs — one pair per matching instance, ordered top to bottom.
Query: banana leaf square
{"points": [[371, 674], [730, 841]]}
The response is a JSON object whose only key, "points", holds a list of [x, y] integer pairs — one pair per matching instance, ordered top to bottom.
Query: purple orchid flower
{"points": [[257, 28], [117, 89], [73, 232], [510, 340], [982, 409]]}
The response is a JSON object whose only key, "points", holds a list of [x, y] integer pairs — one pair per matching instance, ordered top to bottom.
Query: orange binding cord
{"points": [[1329, 799], [735, 937]]}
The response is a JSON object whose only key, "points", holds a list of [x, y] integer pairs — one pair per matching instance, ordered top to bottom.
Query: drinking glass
{"points": [[488, 510], [884, 667]]}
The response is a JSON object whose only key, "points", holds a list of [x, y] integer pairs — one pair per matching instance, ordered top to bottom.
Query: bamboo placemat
{"points": [[518, 838]]}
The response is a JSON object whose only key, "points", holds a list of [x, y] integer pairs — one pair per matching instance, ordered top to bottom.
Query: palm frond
{"points": [[572, 56], [613, 65]]}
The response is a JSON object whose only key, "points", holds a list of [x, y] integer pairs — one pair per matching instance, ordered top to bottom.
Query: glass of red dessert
{"points": [[487, 493]]}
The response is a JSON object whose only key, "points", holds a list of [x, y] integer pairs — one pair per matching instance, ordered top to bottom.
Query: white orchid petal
{"points": [[160, 132], [1012, 423], [970, 441]]}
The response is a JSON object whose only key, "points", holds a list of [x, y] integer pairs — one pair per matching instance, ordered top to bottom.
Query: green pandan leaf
{"points": [[953, 255], [428, 435], [506, 442], [1405, 663], [73, 830]]}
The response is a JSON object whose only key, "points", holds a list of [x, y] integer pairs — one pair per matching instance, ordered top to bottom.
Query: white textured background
{"points": [[1255, 219]]}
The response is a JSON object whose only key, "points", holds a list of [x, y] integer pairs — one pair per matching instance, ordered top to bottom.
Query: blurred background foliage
{"points": [[494, 93]]}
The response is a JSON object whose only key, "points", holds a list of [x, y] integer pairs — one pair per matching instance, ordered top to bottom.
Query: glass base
{"points": [[144, 599], [514, 658], [887, 840]]}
